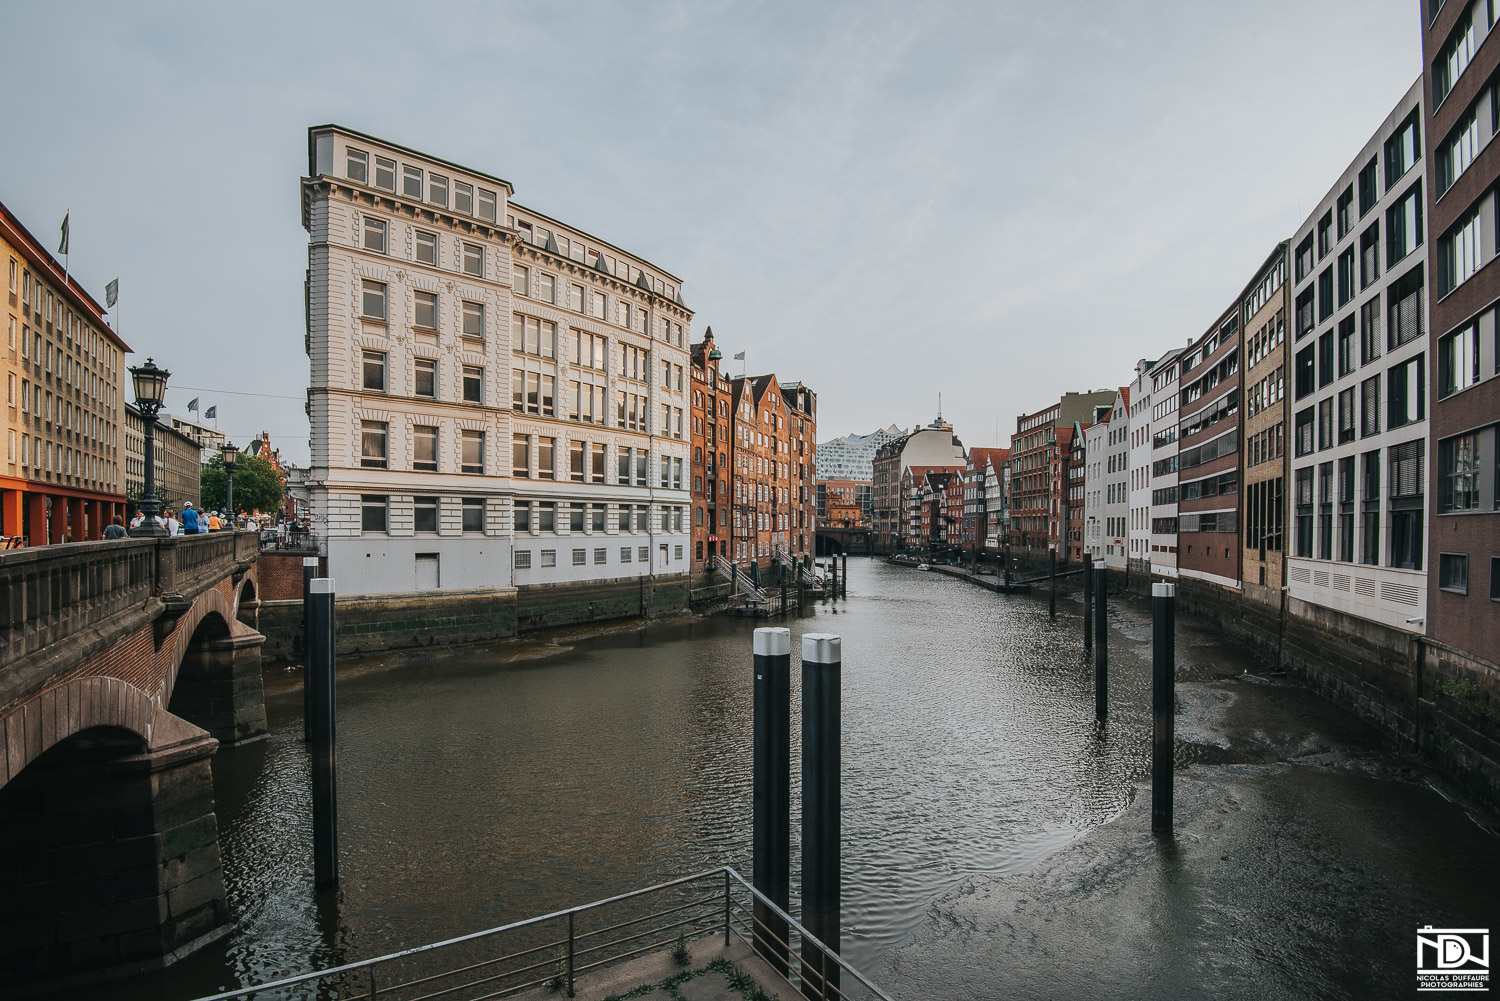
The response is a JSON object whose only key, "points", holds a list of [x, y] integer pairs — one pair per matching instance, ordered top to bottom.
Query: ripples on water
{"points": [[477, 788]]}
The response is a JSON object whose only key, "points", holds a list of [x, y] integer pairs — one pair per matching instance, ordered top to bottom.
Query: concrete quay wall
{"points": [[367, 624]]}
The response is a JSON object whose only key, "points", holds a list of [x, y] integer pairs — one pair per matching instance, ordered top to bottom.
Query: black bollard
{"points": [[309, 571], [844, 577], [1052, 582], [783, 597], [1088, 602], [1101, 643], [320, 660], [1163, 703], [772, 834], [821, 880]]}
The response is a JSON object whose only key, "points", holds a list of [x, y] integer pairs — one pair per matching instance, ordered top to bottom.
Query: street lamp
{"points": [[150, 387], [231, 456]]}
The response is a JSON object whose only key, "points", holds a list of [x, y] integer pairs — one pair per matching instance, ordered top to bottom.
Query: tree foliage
{"points": [[256, 486]]}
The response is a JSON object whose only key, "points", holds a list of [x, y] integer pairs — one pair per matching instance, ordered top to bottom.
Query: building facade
{"points": [[1461, 115], [65, 386], [1358, 393], [497, 399], [1165, 401], [710, 407], [934, 445], [1095, 447], [1263, 449], [1209, 455], [177, 465], [1117, 482], [1037, 483]]}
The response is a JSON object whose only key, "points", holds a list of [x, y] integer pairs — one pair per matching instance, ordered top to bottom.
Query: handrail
{"points": [[741, 580], [574, 942]]}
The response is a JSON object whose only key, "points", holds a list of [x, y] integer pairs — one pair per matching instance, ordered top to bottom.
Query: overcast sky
{"points": [[886, 200]]}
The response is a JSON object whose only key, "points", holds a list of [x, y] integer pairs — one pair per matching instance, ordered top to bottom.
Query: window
{"points": [[1453, 58], [1459, 149], [1402, 150], [357, 165], [385, 173], [411, 182], [437, 190], [463, 197], [487, 203], [1344, 210], [1403, 225], [375, 233], [1325, 234], [426, 246], [1461, 250], [1369, 255], [1305, 257], [473, 260], [1346, 276], [519, 281], [545, 287], [1325, 294], [575, 298], [373, 302], [1404, 309], [427, 310], [1304, 312], [473, 320], [1369, 331], [532, 336], [1346, 346], [589, 350], [1325, 359], [1458, 360], [374, 371], [424, 371], [1305, 372], [1369, 407], [1346, 415], [1325, 424], [1303, 433], [372, 442], [424, 448], [472, 458], [545, 461], [577, 462], [520, 464], [1458, 473], [1406, 505], [1304, 512], [372, 513], [424, 514], [473, 514], [523, 516], [546, 516], [576, 516], [597, 516], [1370, 544], [625, 554], [599, 556], [580, 557], [549, 558], [523, 559], [1453, 572]]}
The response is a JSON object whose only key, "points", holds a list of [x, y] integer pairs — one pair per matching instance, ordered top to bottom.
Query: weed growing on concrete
{"points": [[680, 954]]}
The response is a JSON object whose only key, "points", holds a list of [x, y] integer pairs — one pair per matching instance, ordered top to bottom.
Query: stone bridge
{"points": [[123, 666]]}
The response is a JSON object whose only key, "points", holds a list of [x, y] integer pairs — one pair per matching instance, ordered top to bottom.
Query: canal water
{"points": [[485, 785]]}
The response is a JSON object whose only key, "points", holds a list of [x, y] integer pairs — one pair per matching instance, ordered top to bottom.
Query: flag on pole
{"points": [[62, 247], [112, 293], [740, 356], [192, 404], [212, 413]]}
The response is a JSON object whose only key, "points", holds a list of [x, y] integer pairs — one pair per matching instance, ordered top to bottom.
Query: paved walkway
{"points": [[699, 983]]}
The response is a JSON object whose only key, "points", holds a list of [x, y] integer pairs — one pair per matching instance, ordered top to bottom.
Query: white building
{"points": [[1359, 383], [1140, 396], [497, 399], [1095, 446], [1162, 465], [1117, 483]]}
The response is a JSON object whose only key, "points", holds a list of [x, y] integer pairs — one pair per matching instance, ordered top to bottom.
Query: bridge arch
{"points": [[214, 679]]}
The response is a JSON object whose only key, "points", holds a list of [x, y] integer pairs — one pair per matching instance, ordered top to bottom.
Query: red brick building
{"points": [[1459, 69], [711, 400], [801, 467], [1037, 467]]}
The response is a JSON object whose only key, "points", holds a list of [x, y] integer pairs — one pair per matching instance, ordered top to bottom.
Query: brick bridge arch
{"points": [[125, 665]]}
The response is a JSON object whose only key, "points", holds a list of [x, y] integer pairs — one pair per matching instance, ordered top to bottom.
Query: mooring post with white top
{"points": [[309, 571], [844, 576], [1088, 602], [1101, 643], [320, 661], [1163, 703], [821, 830], [771, 849]]}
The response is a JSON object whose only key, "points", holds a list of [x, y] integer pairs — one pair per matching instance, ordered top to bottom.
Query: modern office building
{"points": [[1461, 116], [1359, 387], [65, 390], [497, 398]]}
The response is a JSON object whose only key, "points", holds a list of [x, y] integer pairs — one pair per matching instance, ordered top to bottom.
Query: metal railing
{"points": [[798, 569], [744, 587], [554, 950]]}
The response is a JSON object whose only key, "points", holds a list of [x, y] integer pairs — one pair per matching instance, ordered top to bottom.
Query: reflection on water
{"points": [[483, 786]]}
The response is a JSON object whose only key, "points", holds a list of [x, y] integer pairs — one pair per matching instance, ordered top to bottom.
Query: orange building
{"points": [[64, 370], [844, 503]]}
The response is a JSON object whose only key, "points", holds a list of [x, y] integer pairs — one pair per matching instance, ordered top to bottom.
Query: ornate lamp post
{"points": [[150, 386], [231, 456]]}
